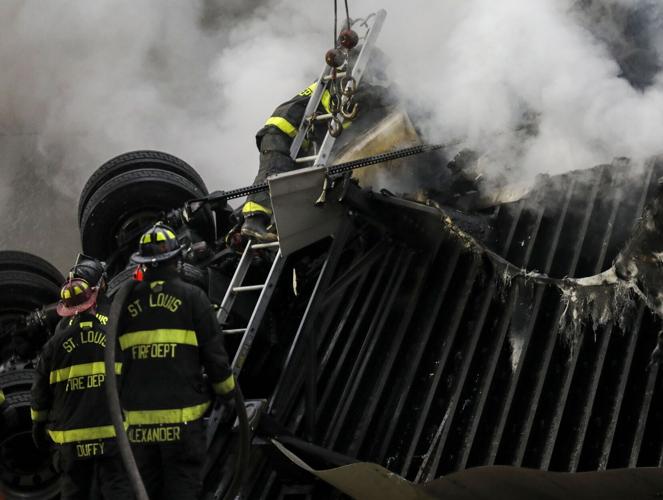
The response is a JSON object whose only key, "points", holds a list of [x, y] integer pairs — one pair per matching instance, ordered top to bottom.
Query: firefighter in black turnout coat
{"points": [[277, 134], [168, 332], [68, 396]]}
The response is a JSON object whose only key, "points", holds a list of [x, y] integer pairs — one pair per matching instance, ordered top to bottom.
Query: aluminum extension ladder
{"points": [[319, 159], [236, 287]]}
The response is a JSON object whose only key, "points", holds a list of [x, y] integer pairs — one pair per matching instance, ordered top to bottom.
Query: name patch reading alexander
{"points": [[154, 434]]}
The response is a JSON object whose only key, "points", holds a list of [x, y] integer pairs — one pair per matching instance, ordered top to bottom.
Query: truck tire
{"points": [[137, 160], [147, 192], [11, 260], [27, 282], [21, 292], [25, 472]]}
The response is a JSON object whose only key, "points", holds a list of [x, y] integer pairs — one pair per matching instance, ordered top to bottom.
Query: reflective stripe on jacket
{"points": [[287, 116], [168, 333], [68, 390]]}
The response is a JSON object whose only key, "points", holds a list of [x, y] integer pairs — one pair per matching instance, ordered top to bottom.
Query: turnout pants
{"points": [[274, 159], [171, 470], [101, 477]]}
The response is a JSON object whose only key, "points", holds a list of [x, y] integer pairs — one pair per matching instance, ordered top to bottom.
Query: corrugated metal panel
{"points": [[428, 362]]}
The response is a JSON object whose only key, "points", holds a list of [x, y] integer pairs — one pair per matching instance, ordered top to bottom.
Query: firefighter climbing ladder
{"points": [[352, 76], [319, 160]]}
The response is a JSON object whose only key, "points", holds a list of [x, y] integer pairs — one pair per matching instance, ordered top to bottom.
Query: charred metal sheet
{"points": [[431, 358]]}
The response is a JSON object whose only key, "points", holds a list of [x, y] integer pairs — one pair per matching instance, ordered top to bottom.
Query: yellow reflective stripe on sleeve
{"points": [[308, 90], [326, 99], [283, 125], [252, 206], [85, 324], [159, 336], [82, 370], [225, 386], [2, 397], [38, 415], [174, 416], [86, 434]]}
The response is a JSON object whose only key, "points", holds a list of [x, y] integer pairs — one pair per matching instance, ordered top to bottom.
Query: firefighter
{"points": [[276, 136], [94, 271], [168, 333], [69, 402]]}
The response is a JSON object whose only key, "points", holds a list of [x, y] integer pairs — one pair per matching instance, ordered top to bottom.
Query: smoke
{"points": [[83, 82], [535, 86], [543, 86]]}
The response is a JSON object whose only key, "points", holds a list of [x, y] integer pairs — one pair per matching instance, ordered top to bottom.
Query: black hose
{"points": [[112, 396], [242, 462]]}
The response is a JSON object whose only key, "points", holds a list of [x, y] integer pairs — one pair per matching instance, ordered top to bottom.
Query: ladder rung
{"points": [[339, 74], [305, 159], [273, 244], [250, 288], [232, 332]]}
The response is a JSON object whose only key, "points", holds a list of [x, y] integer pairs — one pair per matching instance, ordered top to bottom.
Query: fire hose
{"points": [[113, 400]]}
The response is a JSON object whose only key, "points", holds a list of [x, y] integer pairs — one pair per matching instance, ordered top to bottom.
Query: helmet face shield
{"points": [[158, 244]]}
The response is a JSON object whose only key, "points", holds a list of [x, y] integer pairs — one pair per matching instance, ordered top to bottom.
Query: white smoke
{"points": [[485, 69], [535, 85]]}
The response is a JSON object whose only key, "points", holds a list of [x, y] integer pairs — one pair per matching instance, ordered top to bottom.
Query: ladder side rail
{"points": [[356, 73], [311, 107], [236, 280], [258, 313], [254, 322]]}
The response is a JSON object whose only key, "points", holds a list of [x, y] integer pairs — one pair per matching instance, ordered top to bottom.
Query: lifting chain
{"points": [[341, 90], [334, 125]]}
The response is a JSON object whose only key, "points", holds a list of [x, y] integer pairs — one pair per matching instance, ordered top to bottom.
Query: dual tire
{"points": [[129, 193], [27, 282]]}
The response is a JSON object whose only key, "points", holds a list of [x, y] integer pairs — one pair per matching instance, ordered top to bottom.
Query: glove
{"points": [[39, 436]]}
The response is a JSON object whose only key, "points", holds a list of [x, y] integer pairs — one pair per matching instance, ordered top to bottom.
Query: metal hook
{"points": [[348, 86], [334, 104], [350, 114], [335, 127], [322, 199]]}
